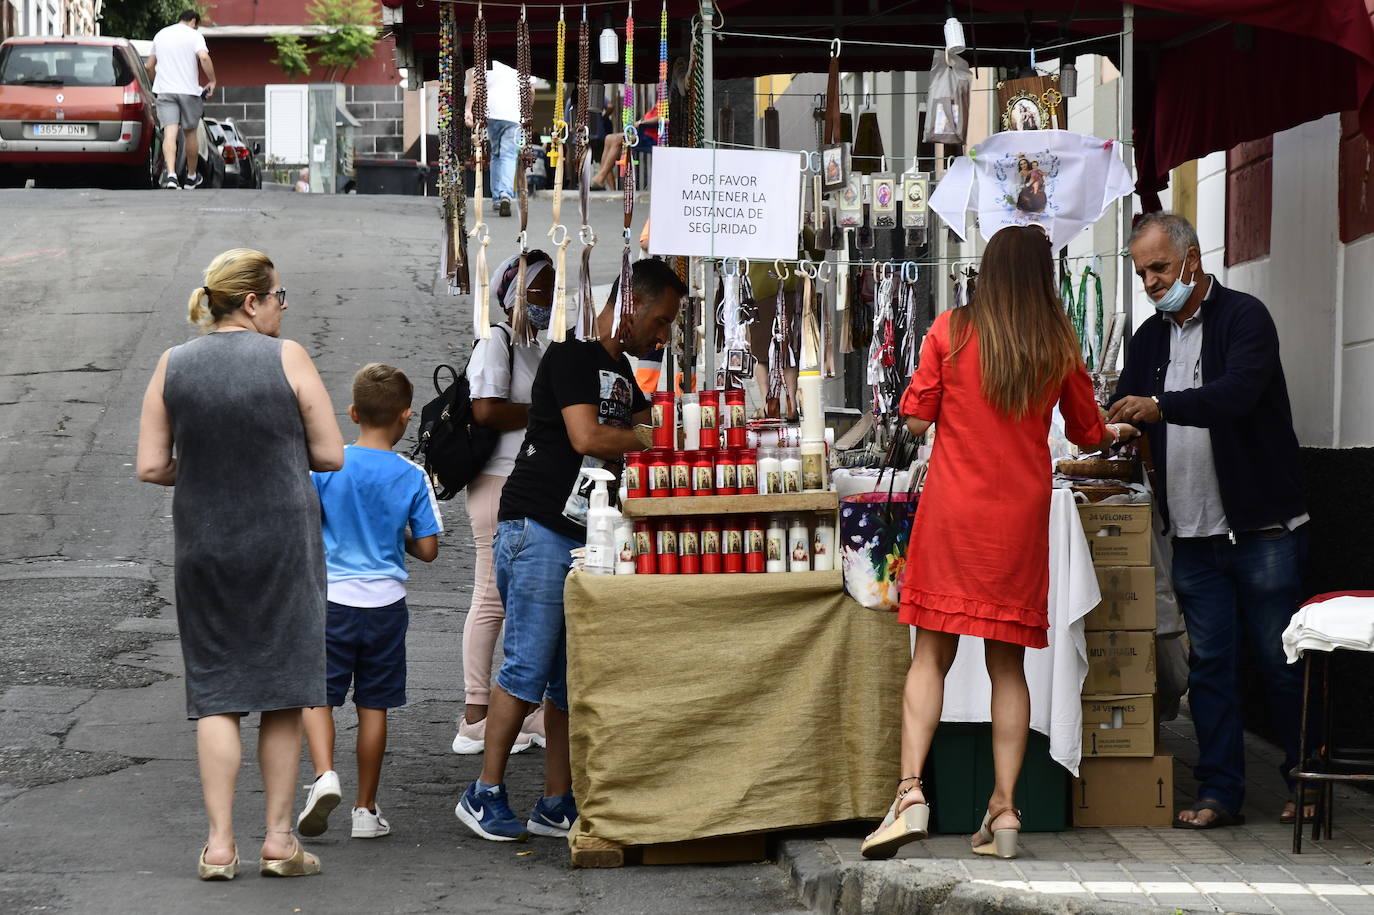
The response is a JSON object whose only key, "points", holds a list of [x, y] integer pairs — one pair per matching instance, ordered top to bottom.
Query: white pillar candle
{"points": [[813, 414], [691, 422], [791, 470], [770, 471], [823, 545], [776, 546], [798, 546]]}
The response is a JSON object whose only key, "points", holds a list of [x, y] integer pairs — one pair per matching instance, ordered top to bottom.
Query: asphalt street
{"points": [[99, 797]]}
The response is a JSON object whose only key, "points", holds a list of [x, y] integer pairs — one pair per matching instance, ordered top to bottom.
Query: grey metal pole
{"points": [[1127, 127], [708, 307]]}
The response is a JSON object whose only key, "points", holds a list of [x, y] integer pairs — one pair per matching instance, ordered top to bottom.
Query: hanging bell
{"points": [[725, 124], [772, 132], [867, 151]]}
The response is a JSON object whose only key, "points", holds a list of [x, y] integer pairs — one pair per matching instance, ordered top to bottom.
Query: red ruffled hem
{"points": [[964, 616]]}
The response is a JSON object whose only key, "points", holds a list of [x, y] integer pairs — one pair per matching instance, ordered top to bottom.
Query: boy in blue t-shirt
{"points": [[367, 508]]}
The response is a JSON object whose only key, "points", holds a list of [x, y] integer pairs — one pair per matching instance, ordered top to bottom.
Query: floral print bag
{"points": [[875, 531]]}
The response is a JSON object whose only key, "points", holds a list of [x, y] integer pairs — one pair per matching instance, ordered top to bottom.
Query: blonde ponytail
{"points": [[228, 280]]}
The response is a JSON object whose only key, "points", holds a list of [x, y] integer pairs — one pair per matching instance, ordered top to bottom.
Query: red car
{"points": [[66, 103]]}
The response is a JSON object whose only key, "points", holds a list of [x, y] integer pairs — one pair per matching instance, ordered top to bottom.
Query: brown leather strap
{"points": [[832, 103]]}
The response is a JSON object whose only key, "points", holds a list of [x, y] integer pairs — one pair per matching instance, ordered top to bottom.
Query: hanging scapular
{"points": [[772, 132], [867, 153], [451, 159], [482, 301], [586, 308], [558, 318], [523, 333]]}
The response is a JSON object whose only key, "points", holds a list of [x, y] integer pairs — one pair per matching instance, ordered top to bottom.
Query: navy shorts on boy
{"points": [[368, 507]]}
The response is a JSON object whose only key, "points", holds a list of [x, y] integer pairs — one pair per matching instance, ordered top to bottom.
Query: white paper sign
{"points": [[725, 203]]}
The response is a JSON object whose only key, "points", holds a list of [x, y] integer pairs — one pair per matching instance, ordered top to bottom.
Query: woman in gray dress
{"points": [[236, 420]]}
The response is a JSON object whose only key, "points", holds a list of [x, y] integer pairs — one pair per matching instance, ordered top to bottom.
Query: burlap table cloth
{"points": [[713, 705]]}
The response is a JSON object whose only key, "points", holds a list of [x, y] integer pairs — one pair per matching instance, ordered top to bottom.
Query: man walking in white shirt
{"points": [[179, 54], [503, 130]]}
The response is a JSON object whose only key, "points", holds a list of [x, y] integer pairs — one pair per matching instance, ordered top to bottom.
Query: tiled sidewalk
{"points": [[1248, 869]]}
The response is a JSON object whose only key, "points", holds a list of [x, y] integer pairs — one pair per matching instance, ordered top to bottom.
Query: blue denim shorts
{"points": [[531, 562], [366, 646]]}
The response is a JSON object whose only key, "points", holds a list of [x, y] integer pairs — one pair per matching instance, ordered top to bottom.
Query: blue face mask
{"points": [[1177, 296], [538, 315]]}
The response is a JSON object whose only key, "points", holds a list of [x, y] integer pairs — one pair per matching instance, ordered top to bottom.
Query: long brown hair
{"points": [[1026, 345]]}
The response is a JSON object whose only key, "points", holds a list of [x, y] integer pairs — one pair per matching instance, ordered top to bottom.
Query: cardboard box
{"points": [[1118, 535], [1128, 599], [1120, 663], [1118, 726], [1124, 792]]}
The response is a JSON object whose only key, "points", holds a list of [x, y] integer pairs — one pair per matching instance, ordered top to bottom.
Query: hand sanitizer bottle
{"points": [[602, 520]]}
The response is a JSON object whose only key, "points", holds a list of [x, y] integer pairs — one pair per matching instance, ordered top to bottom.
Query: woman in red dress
{"points": [[989, 377]]}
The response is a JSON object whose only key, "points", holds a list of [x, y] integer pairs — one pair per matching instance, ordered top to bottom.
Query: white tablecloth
{"points": [[1054, 674]]}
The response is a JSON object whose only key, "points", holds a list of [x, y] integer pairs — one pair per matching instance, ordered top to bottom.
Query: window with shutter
{"points": [[287, 123], [1249, 200]]}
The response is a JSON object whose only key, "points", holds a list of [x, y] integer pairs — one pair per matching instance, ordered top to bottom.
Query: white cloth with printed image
{"points": [[1058, 180]]}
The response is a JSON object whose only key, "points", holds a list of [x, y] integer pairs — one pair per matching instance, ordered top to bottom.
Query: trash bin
{"points": [[389, 176]]}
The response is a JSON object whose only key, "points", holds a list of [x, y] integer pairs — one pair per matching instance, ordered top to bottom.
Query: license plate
{"points": [[78, 131]]}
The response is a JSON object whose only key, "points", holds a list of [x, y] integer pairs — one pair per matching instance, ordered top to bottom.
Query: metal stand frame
{"points": [[1325, 769]]}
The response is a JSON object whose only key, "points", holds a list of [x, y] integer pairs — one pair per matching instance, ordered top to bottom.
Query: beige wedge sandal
{"points": [[899, 827], [999, 842]]}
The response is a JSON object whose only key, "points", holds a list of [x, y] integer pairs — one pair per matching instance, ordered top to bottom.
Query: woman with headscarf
{"points": [[500, 376]]}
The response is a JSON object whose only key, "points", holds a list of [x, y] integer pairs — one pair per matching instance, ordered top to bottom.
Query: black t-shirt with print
{"points": [[546, 484]]}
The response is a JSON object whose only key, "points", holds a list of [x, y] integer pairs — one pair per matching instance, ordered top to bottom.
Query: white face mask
{"points": [[1178, 294]]}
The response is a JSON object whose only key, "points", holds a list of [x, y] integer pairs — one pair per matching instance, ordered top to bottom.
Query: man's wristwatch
{"points": [[1159, 408]]}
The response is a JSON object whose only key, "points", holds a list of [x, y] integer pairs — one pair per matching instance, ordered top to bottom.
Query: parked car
{"points": [[70, 104], [231, 162], [210, 163], [250, 175]]}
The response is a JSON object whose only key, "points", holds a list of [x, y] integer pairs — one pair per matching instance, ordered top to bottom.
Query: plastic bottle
{"points": [[602, 520]]}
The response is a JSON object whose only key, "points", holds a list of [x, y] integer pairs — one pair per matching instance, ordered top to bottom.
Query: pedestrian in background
{"points": [[179, 54], [503, 129], [303, 181], [1203, 375], [500, 377], [989, 377], [236, 420], [377, 509]]}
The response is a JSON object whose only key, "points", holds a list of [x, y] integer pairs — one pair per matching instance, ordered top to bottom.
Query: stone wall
{"points": [[380, 110]]}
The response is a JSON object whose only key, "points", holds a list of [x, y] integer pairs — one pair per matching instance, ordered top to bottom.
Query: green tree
{"points": [[142, 18], [348, 35]]}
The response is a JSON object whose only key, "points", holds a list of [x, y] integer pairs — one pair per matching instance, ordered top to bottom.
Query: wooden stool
{"points": [[1327, 766]]}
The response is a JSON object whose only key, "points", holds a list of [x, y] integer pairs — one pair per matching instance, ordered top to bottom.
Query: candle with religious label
{"points": [[710, 415], [665, 420], [691, 422], [813, 465], [791, 470], [746, 471], [770, 471], [660, 473], [682, 473], [703, 474], [727, 479], [635, 483], [732, 543], [823, 544], [710, 545], [754, 545], [799, 545], [667, 547], [689, 547], [775, 547], [625, 560], [646, 560]]}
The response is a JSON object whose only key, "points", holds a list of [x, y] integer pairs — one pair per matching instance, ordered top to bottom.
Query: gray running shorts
{"points": [[179, 109]]}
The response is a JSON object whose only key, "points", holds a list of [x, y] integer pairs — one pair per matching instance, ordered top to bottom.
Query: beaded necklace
{"points": [[451, 189], [586, 307], [482, 309], [622, 316], [558, 321], [522, 332]]}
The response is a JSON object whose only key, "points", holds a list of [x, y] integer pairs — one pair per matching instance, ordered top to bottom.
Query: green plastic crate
{"points": [[959, 780]]}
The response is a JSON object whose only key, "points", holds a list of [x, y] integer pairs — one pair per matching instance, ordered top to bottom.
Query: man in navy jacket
{"points": [[1203, 380]]}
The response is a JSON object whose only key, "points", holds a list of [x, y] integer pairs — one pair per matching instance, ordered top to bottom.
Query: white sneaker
{"points": [[533, 728], [471, 739], [323, 798], [369, 825]]}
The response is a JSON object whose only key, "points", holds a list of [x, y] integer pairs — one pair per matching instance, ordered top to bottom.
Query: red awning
{"points": [[1209, 73]]}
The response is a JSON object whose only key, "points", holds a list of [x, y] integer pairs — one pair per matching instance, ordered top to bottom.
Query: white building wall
{"points": [[1320, 293]]}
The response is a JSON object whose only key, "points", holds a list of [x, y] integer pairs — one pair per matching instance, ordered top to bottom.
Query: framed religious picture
{"points": [[1031, 103], [833, 172], [915, 197], [852, 202], [884, 209]]}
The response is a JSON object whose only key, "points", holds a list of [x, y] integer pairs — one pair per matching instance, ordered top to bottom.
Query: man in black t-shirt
{"points": [[583, 407]]}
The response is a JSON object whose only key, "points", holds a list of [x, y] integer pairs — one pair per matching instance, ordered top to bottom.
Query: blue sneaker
{"points": [[486, 813], [553, 816]]}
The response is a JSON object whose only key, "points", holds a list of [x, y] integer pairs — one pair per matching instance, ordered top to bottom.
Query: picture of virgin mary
{"points": [[1031, 196]]}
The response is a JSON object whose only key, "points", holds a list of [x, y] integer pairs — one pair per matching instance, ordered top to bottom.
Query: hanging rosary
{"points": [[662, 99], [451, 190], [586, 308], [482, 310], [622, 317], [558, 321], [522, 332]]}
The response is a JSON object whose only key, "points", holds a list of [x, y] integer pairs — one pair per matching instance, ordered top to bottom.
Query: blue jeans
{"points": [[505, 145], [531, 563], [1252, 587]]}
